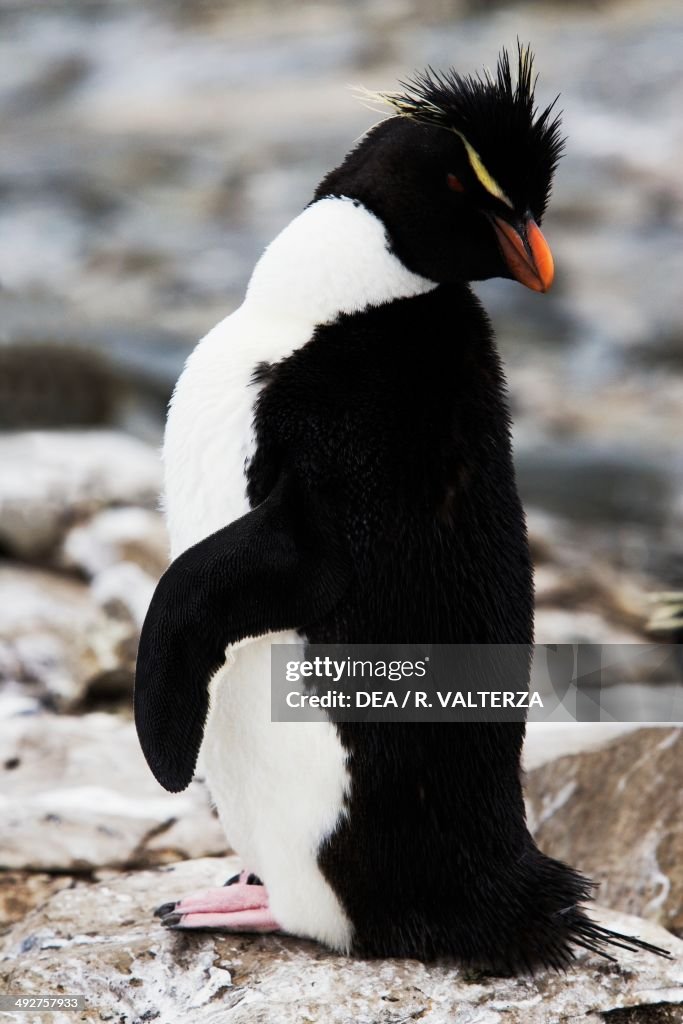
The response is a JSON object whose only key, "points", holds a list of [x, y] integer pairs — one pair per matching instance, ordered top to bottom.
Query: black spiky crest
{"points": [[499, 118]]}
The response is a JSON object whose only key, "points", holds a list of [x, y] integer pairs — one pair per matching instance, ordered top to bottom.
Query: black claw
{"points": [[252, 879], [165, 908], [171, 920]]}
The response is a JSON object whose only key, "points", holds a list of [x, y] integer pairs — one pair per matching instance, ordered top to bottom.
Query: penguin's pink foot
{"points": [[234, 908]]}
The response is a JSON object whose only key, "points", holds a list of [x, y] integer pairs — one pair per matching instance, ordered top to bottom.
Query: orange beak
{"points": [[526, 253]]}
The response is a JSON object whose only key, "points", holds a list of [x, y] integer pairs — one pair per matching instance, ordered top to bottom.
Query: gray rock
{"points": [[55, 384], [51, 478], [582, 481], [116, 535], [124, 591], [56, 642], [549, 741], [78, 796], [617, 814], [21, 891], [102, 940]]}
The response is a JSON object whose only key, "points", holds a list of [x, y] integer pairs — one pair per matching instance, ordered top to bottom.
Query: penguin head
{"points": [[461, 174]]}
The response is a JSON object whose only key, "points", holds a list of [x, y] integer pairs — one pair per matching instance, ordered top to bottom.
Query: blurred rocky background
{"points": [[150, 151]]}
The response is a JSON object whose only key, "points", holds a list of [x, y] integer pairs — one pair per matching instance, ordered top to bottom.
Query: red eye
{"points": [[455, 183]]}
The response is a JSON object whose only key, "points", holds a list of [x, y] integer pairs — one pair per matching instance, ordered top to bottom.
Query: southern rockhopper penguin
{"points": [[338, 469]]}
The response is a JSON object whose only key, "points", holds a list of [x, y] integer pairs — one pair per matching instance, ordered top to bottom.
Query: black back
{"points": [[401, 411]]}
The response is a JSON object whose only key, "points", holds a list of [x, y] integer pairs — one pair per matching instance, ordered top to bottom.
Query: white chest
{"points": [[209, 433]]}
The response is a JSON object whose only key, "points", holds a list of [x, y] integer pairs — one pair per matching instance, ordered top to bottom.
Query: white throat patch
{"points": [[333, 258]]}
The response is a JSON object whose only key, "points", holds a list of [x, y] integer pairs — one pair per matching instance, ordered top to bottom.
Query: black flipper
{"points": [[281, 566]]}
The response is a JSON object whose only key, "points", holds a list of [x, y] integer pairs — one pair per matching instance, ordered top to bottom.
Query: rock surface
{"points": [[52, 478], [115, 535], [124, 591], [61, 640], [56, 642], [548, 741], [77, 796], [617, 814], [21, 891], [103, 941]]}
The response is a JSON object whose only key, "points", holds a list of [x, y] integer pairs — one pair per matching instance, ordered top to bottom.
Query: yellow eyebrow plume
{"points": [[405, 106], [485, 179]]}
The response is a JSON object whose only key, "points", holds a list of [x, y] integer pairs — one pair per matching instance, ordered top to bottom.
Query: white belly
{"points": [[279, 789]]}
